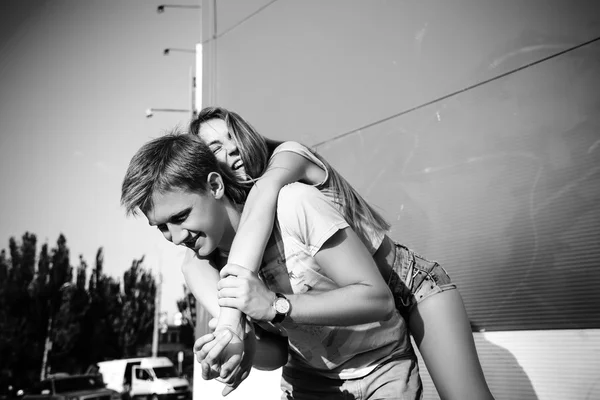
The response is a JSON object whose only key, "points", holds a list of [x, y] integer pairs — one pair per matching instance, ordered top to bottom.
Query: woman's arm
{"points": [[258, 216]]}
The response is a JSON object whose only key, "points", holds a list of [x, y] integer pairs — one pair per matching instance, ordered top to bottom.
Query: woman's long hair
{"points": [[255, 151]]}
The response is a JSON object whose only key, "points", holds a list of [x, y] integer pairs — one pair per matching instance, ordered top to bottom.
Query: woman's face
{"points": [[215, 134]]}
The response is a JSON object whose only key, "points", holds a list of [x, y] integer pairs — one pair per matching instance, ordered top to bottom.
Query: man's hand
{"points": [[240, 288], [211, 349], [219, 354], [244, 368]]}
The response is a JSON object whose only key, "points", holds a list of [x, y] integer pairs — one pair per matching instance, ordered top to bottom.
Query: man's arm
{"points": [[201, 277], [361, 295]]}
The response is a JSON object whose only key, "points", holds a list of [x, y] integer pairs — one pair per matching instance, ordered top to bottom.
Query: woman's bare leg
{"points": [[441, 329]]}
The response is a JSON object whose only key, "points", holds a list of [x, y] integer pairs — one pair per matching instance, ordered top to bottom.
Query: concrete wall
{"points": [[473, 125]]}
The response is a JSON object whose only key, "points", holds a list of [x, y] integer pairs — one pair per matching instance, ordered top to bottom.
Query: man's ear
{"points": [[216, 185]]}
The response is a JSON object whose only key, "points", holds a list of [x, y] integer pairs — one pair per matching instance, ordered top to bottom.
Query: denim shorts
{"points": [[414, 278], [395, 379]]}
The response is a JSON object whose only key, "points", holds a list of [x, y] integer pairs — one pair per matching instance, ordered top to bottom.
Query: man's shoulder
{"points": [[297, 193], [298, 202], [302, 204], [304, 213]]}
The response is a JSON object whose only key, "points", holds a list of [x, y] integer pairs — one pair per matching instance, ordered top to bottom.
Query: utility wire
{"points": [[216, 36], [531, 64], [418, 107]]}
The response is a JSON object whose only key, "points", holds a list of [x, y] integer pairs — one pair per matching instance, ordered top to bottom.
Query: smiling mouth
{"points": [[237, 165], [191, 243]]}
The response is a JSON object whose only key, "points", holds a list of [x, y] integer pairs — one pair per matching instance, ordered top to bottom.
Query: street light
{"points": [[161, 9], [170, 49], [192, 108], [150, 111]]}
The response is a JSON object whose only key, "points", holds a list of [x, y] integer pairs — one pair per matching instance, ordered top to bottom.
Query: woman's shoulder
{"points": [[292, 146], [315, 171]]}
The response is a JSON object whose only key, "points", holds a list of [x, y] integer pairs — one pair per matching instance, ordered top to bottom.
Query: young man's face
{"points": [[215, 134], [196, 220]]}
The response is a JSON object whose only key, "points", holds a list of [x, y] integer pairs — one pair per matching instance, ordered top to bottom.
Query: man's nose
{"points": [[178, 235]]}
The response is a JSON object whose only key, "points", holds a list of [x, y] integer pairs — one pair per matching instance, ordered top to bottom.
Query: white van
{"points": [[152, 378]]}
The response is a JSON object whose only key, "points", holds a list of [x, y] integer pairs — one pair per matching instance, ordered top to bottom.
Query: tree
{"points": [[61, 271], [60, 276], [40, 293], [186, 306], [137, 316], [50, 318], [68, 323], [5, 332], [99, 338], [18, 343]]}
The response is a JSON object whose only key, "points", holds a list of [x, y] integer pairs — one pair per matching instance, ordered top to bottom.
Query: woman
{"points": [[422, 290], [345, 336]]}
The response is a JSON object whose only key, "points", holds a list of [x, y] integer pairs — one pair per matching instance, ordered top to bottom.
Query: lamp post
{"points": [[161, 8], [192, 79], [191, 110], [150, 111], [54, 307], [157, 308]]}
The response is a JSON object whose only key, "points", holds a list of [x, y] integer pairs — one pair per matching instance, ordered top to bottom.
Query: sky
{"points": [[75, 80]]}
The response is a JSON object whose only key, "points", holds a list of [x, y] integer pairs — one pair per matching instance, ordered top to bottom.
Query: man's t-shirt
{"points": [[305, 220], [368, 234]]}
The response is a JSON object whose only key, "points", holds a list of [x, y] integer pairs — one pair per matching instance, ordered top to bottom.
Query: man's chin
{"points": [[204, 252]]}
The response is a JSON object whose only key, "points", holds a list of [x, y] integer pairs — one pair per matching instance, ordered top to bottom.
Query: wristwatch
{"points": [[282, 308]]}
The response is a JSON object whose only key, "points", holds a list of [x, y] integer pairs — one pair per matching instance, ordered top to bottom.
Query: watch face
{"points": [[282, 306]]}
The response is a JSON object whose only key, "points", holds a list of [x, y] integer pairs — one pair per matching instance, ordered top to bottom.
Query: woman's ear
{"points": [[216, 185]]}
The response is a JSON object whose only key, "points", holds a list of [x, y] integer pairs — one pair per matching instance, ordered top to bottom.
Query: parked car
{"points": [[150, 378], [72, 387], [9, 392]]}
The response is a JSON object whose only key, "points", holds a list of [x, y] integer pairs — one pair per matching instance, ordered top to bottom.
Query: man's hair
{"points": [[174, 161]]}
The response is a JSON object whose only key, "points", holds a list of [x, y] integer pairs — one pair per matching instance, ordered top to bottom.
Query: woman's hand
{"points": [[241, 289]]}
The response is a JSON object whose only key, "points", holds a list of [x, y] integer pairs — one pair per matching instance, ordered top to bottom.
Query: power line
{"points": [[259, 10], [457, 92], [418, 107]]}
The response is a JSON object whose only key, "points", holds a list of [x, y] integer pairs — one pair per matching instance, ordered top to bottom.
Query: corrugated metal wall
{"points": [[473, 125]]}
